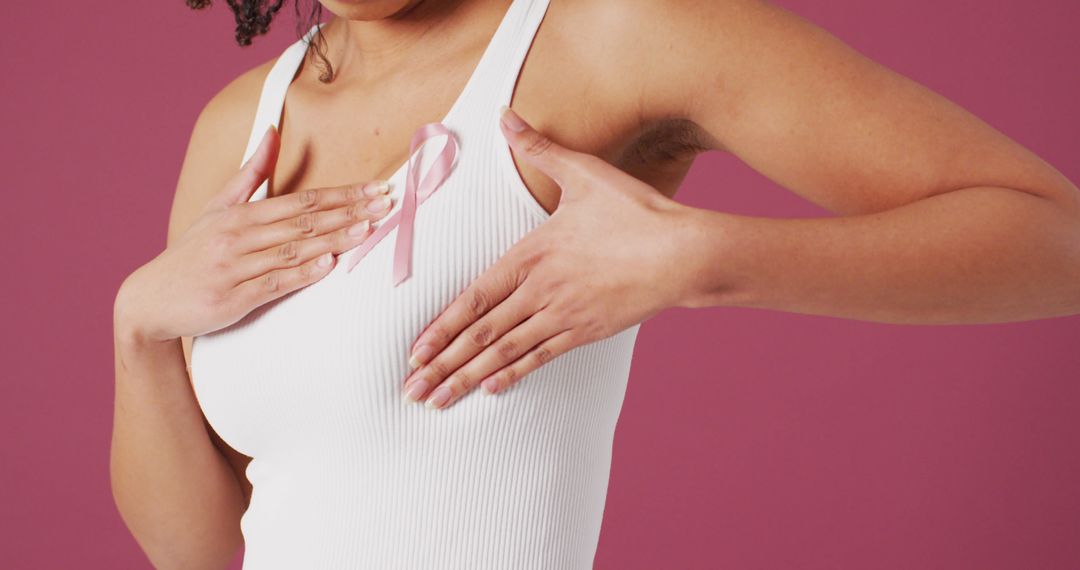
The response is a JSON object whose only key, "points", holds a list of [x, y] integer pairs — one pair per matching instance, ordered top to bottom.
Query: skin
{"points": [[942, 220], [176, 491]]}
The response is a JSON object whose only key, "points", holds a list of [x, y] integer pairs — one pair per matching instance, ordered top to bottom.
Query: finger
{"points": [[558, 162], [258, 167], [311, 200], [310, 224], [296, 252], [271, 285], [486, 291], [475, 338], [503, 352], [540, 355]]}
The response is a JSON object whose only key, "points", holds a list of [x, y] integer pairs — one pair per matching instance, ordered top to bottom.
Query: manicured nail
{"points": [[511, 119], [376, 188], [379, 204], [357, 230], [324, 260], [421, 355], [490, 384], [415, 390], [438, 398]]}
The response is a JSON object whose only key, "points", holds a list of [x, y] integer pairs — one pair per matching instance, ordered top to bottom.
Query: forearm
{"points": [[976, 255], [173, 488]]}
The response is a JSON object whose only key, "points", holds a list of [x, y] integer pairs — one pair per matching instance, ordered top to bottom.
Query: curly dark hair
{"points": [[253, 18]]}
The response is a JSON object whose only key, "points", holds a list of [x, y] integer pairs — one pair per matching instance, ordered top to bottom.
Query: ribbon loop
{"points": [[415, 194]]}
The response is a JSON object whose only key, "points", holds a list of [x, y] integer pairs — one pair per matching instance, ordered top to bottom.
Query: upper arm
{"points": [[815, 115], [215, 149]]}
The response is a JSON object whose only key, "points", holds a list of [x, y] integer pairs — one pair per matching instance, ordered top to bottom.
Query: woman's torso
{"points": [[346, 474]]}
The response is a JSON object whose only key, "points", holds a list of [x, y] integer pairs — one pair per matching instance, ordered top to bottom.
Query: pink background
{"points": [[749, 439]]}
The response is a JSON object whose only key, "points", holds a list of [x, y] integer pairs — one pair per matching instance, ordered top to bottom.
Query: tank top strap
{"points": [[502, 63], [494, 78], [272, 97]]}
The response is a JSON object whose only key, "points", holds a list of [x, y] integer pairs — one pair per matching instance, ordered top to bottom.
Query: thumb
{"points": [[554, 160], [258, 168]]}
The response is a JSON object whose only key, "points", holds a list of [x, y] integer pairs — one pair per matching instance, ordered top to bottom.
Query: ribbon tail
{"points": [[403, 241]]}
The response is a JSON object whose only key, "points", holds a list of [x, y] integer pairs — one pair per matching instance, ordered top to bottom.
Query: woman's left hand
{"points": [[610, 256]]}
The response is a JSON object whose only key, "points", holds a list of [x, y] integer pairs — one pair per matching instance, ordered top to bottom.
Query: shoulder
{"points": [[657, 52], [222, 127], [216, 144]]}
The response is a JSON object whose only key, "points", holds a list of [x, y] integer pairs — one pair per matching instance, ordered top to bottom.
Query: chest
{"points": [[361, 131]]}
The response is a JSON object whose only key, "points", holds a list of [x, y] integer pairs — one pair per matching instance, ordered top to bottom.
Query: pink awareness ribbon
{"points": [[404, 219]]}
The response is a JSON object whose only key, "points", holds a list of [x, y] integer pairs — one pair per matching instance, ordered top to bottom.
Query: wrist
{"points": [[705, 242], [130, 330], [131, 338]]}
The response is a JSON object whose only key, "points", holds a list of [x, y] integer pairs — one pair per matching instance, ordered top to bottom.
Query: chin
{"points": [[368, 9]]}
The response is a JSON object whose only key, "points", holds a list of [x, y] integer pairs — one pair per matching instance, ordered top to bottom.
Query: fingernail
{"points": [[511, 119], [376, 188], [379, 204], [357, 230], [324, 260], [420, 355], [490, 384], [415, 390], [438, 398]]}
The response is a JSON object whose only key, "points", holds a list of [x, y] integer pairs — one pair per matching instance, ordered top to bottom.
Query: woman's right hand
{"points": [[238, 255]]}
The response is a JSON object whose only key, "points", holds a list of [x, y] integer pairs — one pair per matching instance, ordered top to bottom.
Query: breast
{"points": [[329, 360], [309, 386]]}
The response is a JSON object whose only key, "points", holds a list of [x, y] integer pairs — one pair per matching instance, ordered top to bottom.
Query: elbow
{"points": [[1064, 233]]}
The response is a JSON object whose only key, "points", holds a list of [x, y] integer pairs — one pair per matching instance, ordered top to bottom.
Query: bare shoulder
{"points": [[641, 53], [216, 145]]}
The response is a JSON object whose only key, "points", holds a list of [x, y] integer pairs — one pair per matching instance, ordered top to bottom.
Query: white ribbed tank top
{"points": [[345, 474]]}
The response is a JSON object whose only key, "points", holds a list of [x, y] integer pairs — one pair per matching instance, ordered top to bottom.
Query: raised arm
{"points": [[943, 219]]}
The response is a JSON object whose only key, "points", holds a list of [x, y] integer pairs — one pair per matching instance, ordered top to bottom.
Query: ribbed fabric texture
{"points": [[346, 474]]}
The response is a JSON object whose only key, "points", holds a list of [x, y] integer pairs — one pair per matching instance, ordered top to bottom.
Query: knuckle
{"points": [[538, 145], [354, 192], [308, 198], [354, 212], [231, 216], [305, 222], [340, 240], [223, 242], [286, 252], [529, 259], [306, 271], [270, 282], [216, 297], [479, 301], [593, 329], [438, 334], [482, 335], [508, 350], [542, 355], [439, 368], [509, 376], [460, 380]]}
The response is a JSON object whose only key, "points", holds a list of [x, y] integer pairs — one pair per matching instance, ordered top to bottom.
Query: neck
{"points": [[369, 44]]}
